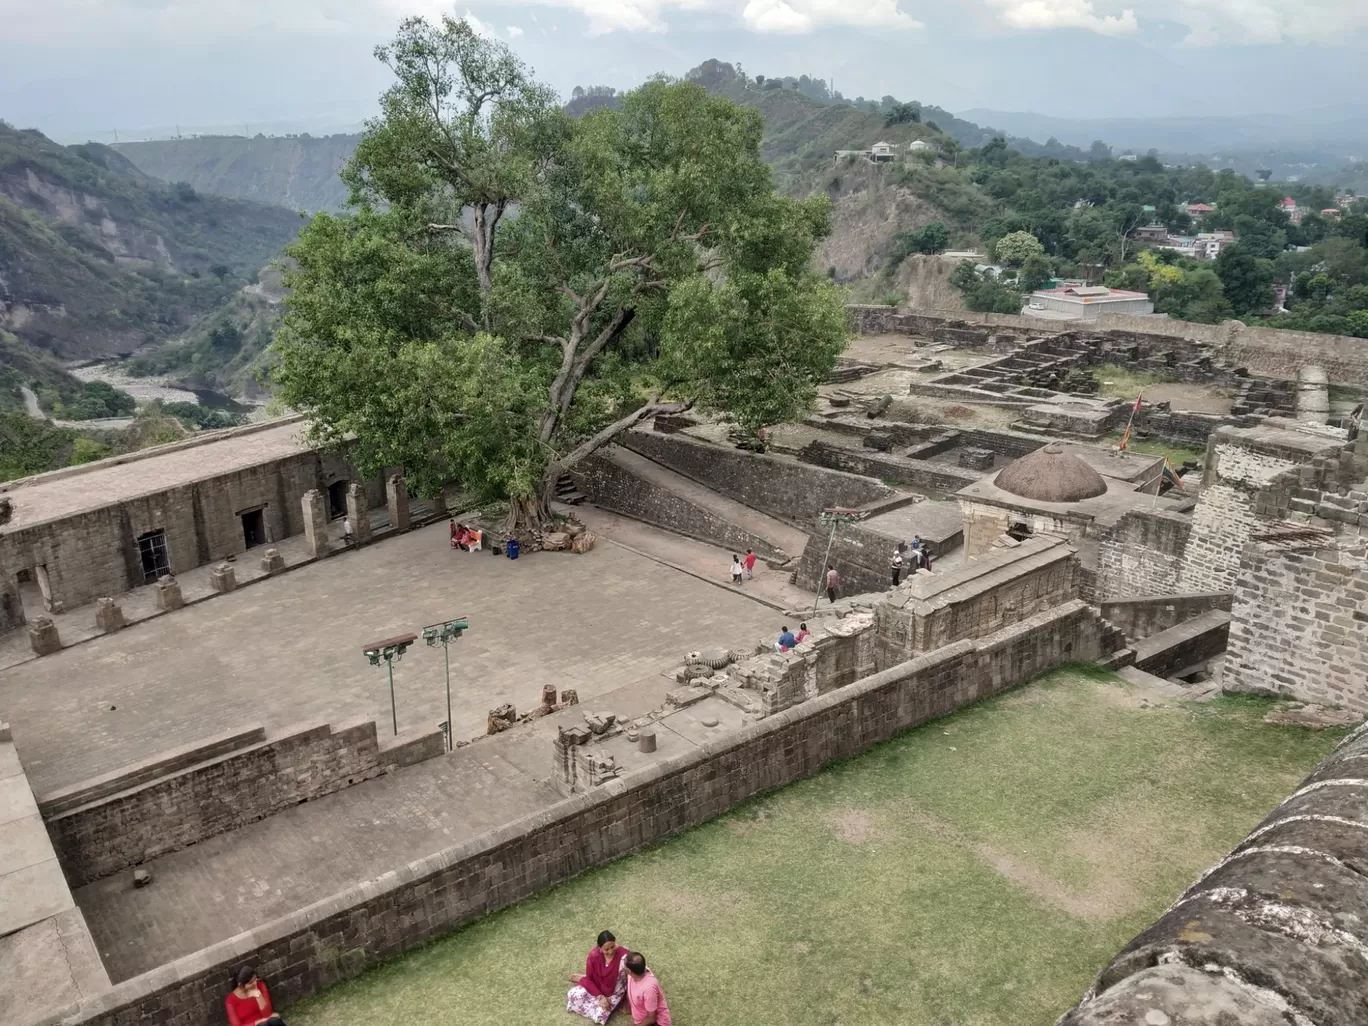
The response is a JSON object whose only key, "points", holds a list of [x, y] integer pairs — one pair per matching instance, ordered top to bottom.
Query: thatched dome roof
{"points": [[1051, 475]]}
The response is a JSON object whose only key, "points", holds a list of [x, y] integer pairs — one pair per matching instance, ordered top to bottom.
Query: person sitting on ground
{"points": [[802, 635], [786, 640], [597, 993], [644, 996], [249, 1002]]}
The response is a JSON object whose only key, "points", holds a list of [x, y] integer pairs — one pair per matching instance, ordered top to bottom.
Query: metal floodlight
{"points": [[444, 634], [391, 650]]}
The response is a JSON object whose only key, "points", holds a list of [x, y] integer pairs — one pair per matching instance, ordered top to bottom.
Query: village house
{"points": [[1072, 302]]}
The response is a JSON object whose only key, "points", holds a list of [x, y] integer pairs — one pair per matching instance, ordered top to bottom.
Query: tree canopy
{"points": [[514, 287]]}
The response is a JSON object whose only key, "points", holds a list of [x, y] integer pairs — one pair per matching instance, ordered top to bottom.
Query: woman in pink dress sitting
{"points": [[597, 993]]}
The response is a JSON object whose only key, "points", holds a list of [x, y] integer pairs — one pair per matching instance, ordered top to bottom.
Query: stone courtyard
{"points": [[289, 650]]}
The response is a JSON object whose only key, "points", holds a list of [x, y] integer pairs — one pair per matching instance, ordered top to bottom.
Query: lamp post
{"points": [[835, 516], [444, 634], [391, 650]]}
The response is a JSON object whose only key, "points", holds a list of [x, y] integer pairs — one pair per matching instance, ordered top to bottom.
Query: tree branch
{"points": [[651, 409]]}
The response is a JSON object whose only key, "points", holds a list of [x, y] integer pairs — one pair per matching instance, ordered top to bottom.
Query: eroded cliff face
{"points": [[97, 258]]}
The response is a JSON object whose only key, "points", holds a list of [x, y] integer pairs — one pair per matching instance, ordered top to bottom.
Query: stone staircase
{"points": [[567, 492]]}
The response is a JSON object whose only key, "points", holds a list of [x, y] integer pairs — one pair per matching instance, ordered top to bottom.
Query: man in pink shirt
{"points": [[644, 995]]}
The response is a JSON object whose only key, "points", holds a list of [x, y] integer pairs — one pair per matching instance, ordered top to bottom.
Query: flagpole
{"points": [[1135, 408]]}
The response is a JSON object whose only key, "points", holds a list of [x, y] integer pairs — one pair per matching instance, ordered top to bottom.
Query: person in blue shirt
{"points": [[786, 641]]}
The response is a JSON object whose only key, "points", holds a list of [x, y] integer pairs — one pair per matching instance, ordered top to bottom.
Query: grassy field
{"points": [[976, 871]]}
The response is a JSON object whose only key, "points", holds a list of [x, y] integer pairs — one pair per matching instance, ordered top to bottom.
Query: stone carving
{"points": [[272, 562], [168, 593], [108, 616], [43, 636], [717, 658], [569, 697], [548, 699], [502, 718], [646, 740]]}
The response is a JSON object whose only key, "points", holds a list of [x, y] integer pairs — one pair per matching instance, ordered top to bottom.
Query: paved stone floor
{"points": [[288, 651]]}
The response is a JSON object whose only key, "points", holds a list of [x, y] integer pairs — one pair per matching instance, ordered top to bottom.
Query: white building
{"points": [[917, 145], [1086, 303]]}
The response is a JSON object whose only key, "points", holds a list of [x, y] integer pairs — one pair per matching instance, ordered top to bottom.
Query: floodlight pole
{"points": [[444, 634], [390, 650], [394, 709]]}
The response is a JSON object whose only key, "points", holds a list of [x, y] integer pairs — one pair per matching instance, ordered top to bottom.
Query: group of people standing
{"points": [[909, 559], [611, 974]]}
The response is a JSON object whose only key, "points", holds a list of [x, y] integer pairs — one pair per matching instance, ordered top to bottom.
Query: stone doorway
{"points": [[337, 500], [253, 527], [156, 561], [34, 592]]}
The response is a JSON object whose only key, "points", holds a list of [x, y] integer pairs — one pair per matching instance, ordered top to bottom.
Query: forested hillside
{"points": [[295, 171], [97, 258]]}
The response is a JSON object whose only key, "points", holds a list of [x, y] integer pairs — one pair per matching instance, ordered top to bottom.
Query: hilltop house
{"points": [[1200, 210], [1086, 303]]}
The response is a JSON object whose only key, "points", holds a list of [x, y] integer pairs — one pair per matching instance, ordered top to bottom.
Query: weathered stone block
{"points": [[397, 498], [315, 507], [358, 513], [272, 562], [223, 579], [168, 594], [108, 616], [43, 636]]}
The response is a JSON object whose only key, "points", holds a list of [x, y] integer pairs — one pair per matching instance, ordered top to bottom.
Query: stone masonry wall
{"points": [[929, 478], [781, 487], [616, 488], [1226, 513], [95, 553], [1142, 554], [1143, 617], [1299, 624], [150, 817], [1271, 935], [339, 937]]}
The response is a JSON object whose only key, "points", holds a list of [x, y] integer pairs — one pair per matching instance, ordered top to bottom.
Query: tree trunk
{"points": [[530, 514]]}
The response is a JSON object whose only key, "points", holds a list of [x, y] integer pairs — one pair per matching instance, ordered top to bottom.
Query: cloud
{"points": [[1053, 14], [775, 16], [780, 17], [1207, 22], [481, 29], [514, 32]]}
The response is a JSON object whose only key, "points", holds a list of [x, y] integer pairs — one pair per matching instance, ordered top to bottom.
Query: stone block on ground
{"points": [[555, 541], [583, 542], [272, 562], [223, 579], [168, 594], [109, 616], [43, 636], [501, 719], [141, 878]]}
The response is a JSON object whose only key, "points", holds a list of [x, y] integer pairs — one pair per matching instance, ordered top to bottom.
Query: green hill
{"points": [[296, 171], [96, 258]]}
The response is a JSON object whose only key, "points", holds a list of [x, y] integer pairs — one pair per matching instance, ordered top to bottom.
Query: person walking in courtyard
{"points": [[348, 538], [749, 562], [895, 564], [736, 570], [833, 582], [597, 993], [644, 996], [249, 1002]]}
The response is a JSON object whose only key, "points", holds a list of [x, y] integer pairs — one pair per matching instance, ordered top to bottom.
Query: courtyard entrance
{"points": [[253, 527]]}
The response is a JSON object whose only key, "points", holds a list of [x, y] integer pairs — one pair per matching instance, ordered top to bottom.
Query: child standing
{"points": [[749, 562], [736, 570]]}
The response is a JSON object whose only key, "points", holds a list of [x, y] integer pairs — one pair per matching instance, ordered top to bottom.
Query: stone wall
{"points": [[1239, 464], [929, 478], [612, 486], [782, 487], [95, 553], [1142, 554], [1006, 586], [1142, 617], [1300, 624], [1189, 644], [180, 798], [1271, 935], [339, 937]]}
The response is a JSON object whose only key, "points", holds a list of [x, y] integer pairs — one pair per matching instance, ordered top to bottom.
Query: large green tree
{"points": [[1245, 279], [514, 287]]}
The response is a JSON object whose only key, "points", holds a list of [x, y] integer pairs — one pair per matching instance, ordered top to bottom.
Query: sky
{"points": [[79, 69]]}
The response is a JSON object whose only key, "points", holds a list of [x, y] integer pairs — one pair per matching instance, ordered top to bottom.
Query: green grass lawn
{"points": [[978, 870]]}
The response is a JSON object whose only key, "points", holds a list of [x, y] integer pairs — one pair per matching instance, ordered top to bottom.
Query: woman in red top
{"points": [[597, 993], [249, 1003]]}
